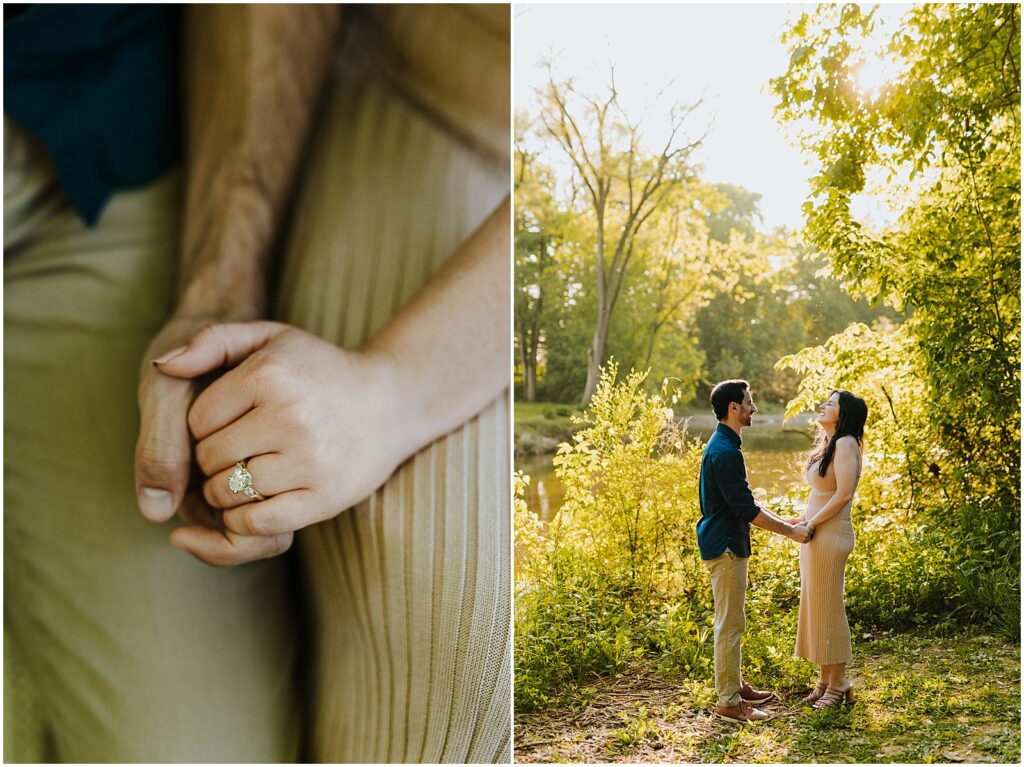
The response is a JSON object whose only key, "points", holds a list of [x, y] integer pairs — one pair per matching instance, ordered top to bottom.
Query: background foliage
{"points": [[944, 136], [707, 296], [616, 578]]}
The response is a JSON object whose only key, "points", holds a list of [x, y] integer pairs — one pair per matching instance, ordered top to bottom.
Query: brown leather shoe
{"points": [[750, 695], [740, 713]]}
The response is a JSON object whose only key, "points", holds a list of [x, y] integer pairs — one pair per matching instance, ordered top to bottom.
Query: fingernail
{"points": [[167, 357], [156, 504]]}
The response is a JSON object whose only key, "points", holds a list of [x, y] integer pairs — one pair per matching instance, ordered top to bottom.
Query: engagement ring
{"points": [[240, 481]]}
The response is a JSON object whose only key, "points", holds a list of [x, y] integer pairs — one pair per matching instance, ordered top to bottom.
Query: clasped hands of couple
{"points": [[317, 426], [800, 531]]}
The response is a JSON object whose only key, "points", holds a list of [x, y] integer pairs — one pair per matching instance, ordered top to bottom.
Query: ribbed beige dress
{"points": [[410, 589], [823, 633]]}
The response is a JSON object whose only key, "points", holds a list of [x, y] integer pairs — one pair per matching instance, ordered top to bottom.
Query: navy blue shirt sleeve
{"points": [[731, 477]]}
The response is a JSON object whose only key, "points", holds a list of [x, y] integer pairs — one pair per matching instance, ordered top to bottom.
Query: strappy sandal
{"points": [[817, 692], [834, 697]]}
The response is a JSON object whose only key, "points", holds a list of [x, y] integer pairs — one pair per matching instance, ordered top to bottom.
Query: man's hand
{"points": [[163, 453], [166, 478], [801, 533]]}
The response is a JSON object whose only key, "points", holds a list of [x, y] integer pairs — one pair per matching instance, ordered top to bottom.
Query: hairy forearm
{"points": [[252, 77], [449, 348], [768, 521]]}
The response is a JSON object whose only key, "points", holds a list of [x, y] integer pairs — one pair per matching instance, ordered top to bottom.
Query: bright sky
{"points": [[729, 50]]}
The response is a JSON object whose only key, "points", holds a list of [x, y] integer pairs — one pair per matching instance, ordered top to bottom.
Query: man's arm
{"points": [[253, 74], [252, 78], [732, 481], [768, 521]]}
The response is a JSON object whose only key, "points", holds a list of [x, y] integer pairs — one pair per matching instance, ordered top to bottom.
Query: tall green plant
{"points": [[629, 483], [616, 577]]}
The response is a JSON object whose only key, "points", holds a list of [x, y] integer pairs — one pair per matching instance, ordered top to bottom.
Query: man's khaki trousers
{"points": [[729, 587], [118, 647]]}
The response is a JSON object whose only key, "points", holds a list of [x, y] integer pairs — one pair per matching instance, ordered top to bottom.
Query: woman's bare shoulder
{"points": [[848, 445]]}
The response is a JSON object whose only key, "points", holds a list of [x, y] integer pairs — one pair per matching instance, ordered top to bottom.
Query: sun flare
{"points": [[871, 74]]}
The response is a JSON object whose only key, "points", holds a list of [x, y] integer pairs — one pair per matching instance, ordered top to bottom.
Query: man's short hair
{"points": [[726, 392]]}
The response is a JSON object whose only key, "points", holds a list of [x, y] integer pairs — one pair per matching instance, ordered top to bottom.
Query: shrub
{"points": [[616, 579]]}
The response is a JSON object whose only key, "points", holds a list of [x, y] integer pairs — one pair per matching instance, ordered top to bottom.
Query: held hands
{"points": [[317, 425], [801, 533]]}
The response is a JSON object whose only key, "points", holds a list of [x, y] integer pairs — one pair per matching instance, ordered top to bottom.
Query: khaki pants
{"points": [[729, 587], [127, 649]]}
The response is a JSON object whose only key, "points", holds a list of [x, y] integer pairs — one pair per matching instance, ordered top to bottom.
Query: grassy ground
{"points": [[544, 417], [920, 700]]}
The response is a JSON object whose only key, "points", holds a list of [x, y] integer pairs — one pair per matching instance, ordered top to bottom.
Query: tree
{"points": [[944, 134], [623, 183], [739, 211], [539, 229]]}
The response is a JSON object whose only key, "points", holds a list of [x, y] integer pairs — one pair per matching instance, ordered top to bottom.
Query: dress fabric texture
{"points": [[410, 589], [823, 632]]}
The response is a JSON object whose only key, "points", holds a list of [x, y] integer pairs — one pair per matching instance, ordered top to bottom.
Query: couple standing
{"points": [[728, 509]]}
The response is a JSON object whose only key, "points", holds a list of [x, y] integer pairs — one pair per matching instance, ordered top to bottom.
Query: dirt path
{"points": [[920, 700]]}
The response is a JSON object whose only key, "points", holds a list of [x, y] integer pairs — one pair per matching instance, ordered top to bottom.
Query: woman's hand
{"points": [[320, 429]]}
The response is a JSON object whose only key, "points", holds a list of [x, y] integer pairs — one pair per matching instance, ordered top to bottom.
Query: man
{"points": [[723, 536]]}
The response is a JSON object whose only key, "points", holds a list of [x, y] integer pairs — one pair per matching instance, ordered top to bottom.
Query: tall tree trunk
{"points": [[595, 356], [528, 360], [530, 378]]}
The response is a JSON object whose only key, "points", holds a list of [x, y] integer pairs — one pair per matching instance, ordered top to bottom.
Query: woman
{"points": [[833, 470]]}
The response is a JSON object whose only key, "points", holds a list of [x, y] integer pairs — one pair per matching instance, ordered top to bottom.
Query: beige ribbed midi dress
{"points": [[410, 589], [823, 632]]}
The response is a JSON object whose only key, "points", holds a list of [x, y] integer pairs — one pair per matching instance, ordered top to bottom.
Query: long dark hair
{"points": [[853, 412]]}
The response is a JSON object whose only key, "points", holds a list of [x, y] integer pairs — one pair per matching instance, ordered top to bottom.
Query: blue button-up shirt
{"points": [[98, 85], [727, 506]]}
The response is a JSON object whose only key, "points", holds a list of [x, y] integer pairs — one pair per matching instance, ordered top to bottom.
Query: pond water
{"points": [[774, 460]]}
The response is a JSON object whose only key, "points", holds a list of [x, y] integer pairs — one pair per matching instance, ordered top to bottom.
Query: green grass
{"points": [[544, 413], [921, 699]]}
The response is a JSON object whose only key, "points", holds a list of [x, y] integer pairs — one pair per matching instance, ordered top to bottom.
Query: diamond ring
{"points": [[240, 481]]}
